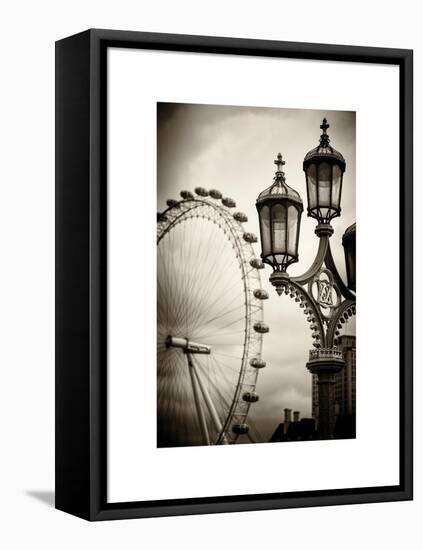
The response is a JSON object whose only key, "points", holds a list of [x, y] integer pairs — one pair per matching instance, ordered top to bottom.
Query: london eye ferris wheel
{"points": [[209, 321]]}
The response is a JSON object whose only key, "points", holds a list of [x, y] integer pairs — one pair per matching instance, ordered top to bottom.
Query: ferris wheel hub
{"points": [[187, 345]]}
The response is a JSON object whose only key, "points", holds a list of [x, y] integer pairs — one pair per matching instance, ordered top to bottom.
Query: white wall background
{"points": [[28, 32]]}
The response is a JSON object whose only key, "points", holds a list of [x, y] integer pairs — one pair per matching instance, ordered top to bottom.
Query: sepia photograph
{"points": [[256, 285]]}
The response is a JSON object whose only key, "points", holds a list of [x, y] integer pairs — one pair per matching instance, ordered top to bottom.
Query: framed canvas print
{"points": [[233, 274]]}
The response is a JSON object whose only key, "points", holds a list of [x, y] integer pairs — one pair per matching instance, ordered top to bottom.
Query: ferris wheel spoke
{"points": [[190, 248], [214, 252], [200, 254], [172, 268], [179, 272], [221, 272], [194, 279], [208, 279], [224, 293], [202, 299], [162, 305], [210, 309], [162, 312], [224, 314], [200, 320], [219, 324], [223, 328], [228, 344], [215, 353], [222, 369], [231, 369], [213, 371], [220, 389], [216, 390], [224, 392], [174, 409], [199, 409], [217, 422]]}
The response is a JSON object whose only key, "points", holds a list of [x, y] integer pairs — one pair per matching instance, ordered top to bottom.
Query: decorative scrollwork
{"points": [[330, 264], [316, 265], [325, 292], [307, 304], [345, 310]]}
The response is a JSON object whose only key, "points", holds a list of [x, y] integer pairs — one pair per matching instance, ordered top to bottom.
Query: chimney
{"points": [[287, 415], [296, 416], [287, 419]]}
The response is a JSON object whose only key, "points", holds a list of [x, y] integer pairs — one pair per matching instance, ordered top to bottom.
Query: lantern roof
{"points": [[324, 150], [279, 188], [349, 232]]}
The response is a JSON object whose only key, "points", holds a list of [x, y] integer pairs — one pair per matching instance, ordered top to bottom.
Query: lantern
{"points": [[324, 168], [279, 208], [348, 242]]}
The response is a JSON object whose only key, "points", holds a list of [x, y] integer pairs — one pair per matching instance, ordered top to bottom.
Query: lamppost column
{"points": [[325, 363], [326, 426]]}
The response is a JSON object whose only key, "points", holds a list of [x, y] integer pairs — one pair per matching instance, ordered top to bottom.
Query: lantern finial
{"points": [[324, 126], [324, 138], [279, 162]]}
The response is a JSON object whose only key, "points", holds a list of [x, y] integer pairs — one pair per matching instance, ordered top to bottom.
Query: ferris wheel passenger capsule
{"points": [[201, 191], [215, 194], [187, 195], [172, 203], [230, 203], [161, 217], [240, 217], [250, 237], [258, 264], [261, 294], [261, 327], [257, 363], [250, 397], [240, 429]]}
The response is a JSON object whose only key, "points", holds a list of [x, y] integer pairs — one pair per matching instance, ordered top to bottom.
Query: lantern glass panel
{"points": [[324, 176], [311, 181], [336, 185], [279, 228], [265, 230], [292, 230]]}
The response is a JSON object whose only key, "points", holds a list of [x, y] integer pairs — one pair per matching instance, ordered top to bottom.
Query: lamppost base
{"points": [[325, 363]]}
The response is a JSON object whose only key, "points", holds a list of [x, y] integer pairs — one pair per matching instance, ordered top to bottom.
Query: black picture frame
{"points": [[81, 274]]}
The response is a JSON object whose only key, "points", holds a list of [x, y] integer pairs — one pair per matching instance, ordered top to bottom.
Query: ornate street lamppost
{"points": [[320, 292]]}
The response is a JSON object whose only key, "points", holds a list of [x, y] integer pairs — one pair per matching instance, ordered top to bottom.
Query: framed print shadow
{"points": [[233, 274]]}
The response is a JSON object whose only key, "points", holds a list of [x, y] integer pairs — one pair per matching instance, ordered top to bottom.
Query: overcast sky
{"points": [[233, 149]]}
